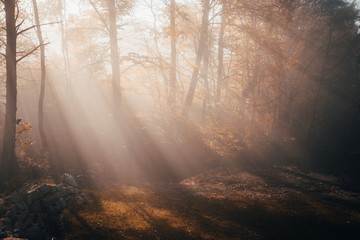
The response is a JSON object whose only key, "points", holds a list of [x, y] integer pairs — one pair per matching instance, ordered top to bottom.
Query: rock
{"points": [[69, 179], [60, 187], [47, 189], [33, 196], [51, 199], [61, 204], [36, 207], [52, 209], [28, 213], [34, 232]]}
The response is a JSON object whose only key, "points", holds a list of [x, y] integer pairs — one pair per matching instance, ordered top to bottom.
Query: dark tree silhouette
{"points": [[9, 164]]}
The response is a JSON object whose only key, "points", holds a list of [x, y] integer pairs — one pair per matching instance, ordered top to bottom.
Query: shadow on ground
{"points": [[278, 202]]}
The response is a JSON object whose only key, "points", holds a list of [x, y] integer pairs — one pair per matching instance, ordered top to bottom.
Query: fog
{"points": [[277, 96]]}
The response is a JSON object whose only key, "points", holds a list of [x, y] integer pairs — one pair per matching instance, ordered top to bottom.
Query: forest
{"points": [[179, 119]]}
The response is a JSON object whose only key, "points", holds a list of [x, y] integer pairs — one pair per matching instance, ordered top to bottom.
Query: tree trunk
{"points": [[64, 43], [199, 55], [220, 56], [115, 61], [204, 76], [43, 77], [172, 97], [8, 159]]}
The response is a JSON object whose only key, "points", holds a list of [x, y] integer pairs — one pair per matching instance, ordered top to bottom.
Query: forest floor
{"points": [[273, 202]]}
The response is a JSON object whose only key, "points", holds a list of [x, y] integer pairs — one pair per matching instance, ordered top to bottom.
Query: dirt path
{"points": [[277, 202]]}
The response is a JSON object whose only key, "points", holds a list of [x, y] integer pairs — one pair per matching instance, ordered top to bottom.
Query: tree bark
{"points": [[64, 43], [199, 55], [115, 61], [220, 71], [204, 76], [42, 81], [172, 97], [8, 159]]}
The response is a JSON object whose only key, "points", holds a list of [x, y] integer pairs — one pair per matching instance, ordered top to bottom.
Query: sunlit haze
{"points": [[246, 105]]}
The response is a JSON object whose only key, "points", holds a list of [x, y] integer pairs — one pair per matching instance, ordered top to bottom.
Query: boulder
{"points": [[70, 180], [60, 187], [48, 189], [33, 196], [61, 204], [36, 207], [27, 213]]}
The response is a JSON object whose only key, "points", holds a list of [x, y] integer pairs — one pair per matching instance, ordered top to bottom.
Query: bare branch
{"points": [[17, 10], [99, 15], [18, 26], [33, 26], [26, 29], [36, 48]]}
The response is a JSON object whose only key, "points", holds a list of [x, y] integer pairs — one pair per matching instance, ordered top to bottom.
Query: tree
{"points": [[114, 9], [199, 54], [115, 62], [220, 70], [43, 78], [172, 97], [9, 164]]}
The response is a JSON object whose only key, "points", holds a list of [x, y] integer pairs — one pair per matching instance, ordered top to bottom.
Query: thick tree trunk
{"points": [[199, 55], [115, 61], [43, 78], [172, 97], [8, 164]]}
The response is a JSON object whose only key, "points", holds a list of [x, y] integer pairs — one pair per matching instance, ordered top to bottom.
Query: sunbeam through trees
{"points": [[179, 119]]}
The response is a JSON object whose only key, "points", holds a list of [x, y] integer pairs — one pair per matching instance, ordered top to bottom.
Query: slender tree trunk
{"points": [[64, 43], [199, 55], [161, 58], [115, 61], [220, 71], [204, 76], [43, 78], [172, 97], [8, 162]]}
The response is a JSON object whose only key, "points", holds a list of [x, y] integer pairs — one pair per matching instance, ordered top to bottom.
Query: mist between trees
{"points": [[176, 85]]}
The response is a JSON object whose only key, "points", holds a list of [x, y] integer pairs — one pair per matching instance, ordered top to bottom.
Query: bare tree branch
{"points": [[100, 16], [18, 26], [33, 26], [36, 48]]}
